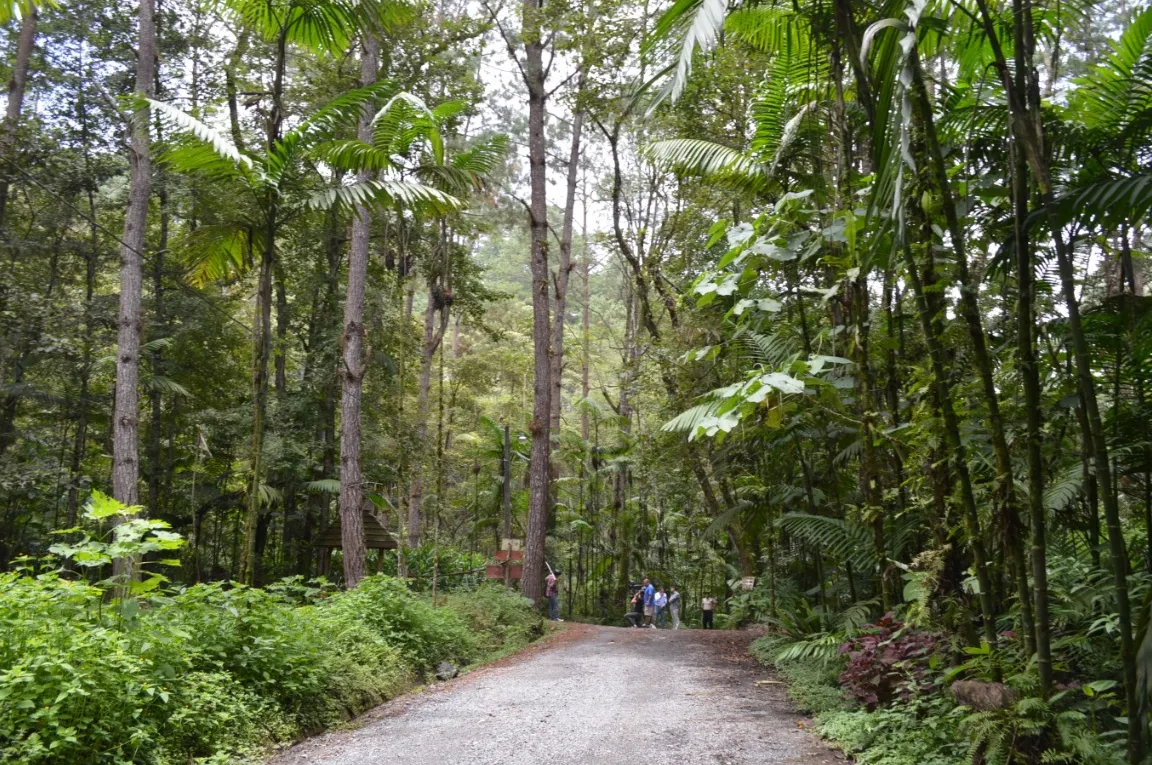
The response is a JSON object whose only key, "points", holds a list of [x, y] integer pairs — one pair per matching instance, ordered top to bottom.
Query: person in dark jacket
{"points": [[635, 617]]}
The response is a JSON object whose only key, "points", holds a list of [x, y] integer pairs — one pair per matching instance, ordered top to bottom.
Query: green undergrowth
{"points": [[218, 674], [881, 694], [921, 731]]}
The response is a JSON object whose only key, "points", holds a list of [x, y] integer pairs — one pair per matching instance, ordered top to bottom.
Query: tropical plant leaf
{"points": [[699, 23], [220, 144], [709, 161], [385, 193], [323, 486], [845, 540]]}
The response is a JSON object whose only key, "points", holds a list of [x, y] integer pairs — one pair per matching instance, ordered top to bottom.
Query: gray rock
{"points": [[446, 670], [984, 697]]}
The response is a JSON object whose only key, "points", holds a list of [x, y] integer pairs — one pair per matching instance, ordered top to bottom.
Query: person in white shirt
{"points": [[660, 602], [674, 608], [708, 609]]}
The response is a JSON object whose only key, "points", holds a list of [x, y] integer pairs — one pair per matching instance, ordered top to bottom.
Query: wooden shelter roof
{"points": [[376, 537]]}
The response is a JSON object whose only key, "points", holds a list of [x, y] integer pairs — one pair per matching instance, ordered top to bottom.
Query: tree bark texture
{"points": [[17, 87], [563, 271], [130, 325], [433, 337], [354, 364], [539, 476]]}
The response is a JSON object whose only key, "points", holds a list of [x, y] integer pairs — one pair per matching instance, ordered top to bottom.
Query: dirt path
{"points": [[595, 695]]}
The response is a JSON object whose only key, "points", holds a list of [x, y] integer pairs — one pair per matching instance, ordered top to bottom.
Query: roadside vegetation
{"points": [[216, 672]]}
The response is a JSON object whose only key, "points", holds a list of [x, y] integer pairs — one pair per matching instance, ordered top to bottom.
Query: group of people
{"points": [[653, 607]]}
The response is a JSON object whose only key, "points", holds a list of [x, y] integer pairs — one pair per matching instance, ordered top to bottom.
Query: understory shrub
{"points": [[503, 621], [888, 660], [216, 673], [812, 683], [884, 700], [914, 729], [923, 731]]}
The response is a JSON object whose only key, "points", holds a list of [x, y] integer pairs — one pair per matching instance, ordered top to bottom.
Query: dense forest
{"points": [[846, 297]]}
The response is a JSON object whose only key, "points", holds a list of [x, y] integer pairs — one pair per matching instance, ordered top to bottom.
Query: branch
{"points": [[507, 40], [565, 81]]}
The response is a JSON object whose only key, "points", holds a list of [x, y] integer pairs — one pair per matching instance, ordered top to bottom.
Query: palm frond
{"points": [[699, 23], [769, 29], [1118, 91], [331, 119], [403, 120], [220, 144], [354, 155], [483, 157], [709, 161], [385, 193], [1107, 203], [218, 252], [168, 385], [689, 420], [323, 486], [1064, 489], [845, 540]]}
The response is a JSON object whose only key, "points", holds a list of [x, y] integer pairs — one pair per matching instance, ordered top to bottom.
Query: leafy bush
{"points": [[504, 621], [423, 634], [887, 660], [215, 673], [811, 679], [69, 685], [212, 715], [1065, 728], [923, 731]]}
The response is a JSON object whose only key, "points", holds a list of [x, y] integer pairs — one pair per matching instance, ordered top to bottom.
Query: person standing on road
{"points": [[552, 592], [649, 596], [660, 601], [674, 608], [707, 610]]}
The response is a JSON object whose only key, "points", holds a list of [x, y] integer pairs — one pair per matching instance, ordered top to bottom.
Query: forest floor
{"points": [[589, 695]]}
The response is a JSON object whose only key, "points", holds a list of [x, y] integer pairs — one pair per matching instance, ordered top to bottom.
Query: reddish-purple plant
{"points": [[887, 660]]}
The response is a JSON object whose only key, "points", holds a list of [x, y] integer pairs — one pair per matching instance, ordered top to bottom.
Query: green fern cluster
{"points": [[1035, 730]]}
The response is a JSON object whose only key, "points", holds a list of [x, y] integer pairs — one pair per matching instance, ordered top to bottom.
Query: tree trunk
{"points": [[17, 86], [1027, 128], [564, 269], [970, 311], [262, 323], [585, 324], [433, 336], [262, 347], [354, 362], [1030, 376], [125, 437], [956, 446], [155, 471], [539, 477], [506, 486], [870, 487]]}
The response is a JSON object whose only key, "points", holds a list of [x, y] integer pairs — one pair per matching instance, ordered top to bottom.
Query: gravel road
{"points": [[597, 695]]}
